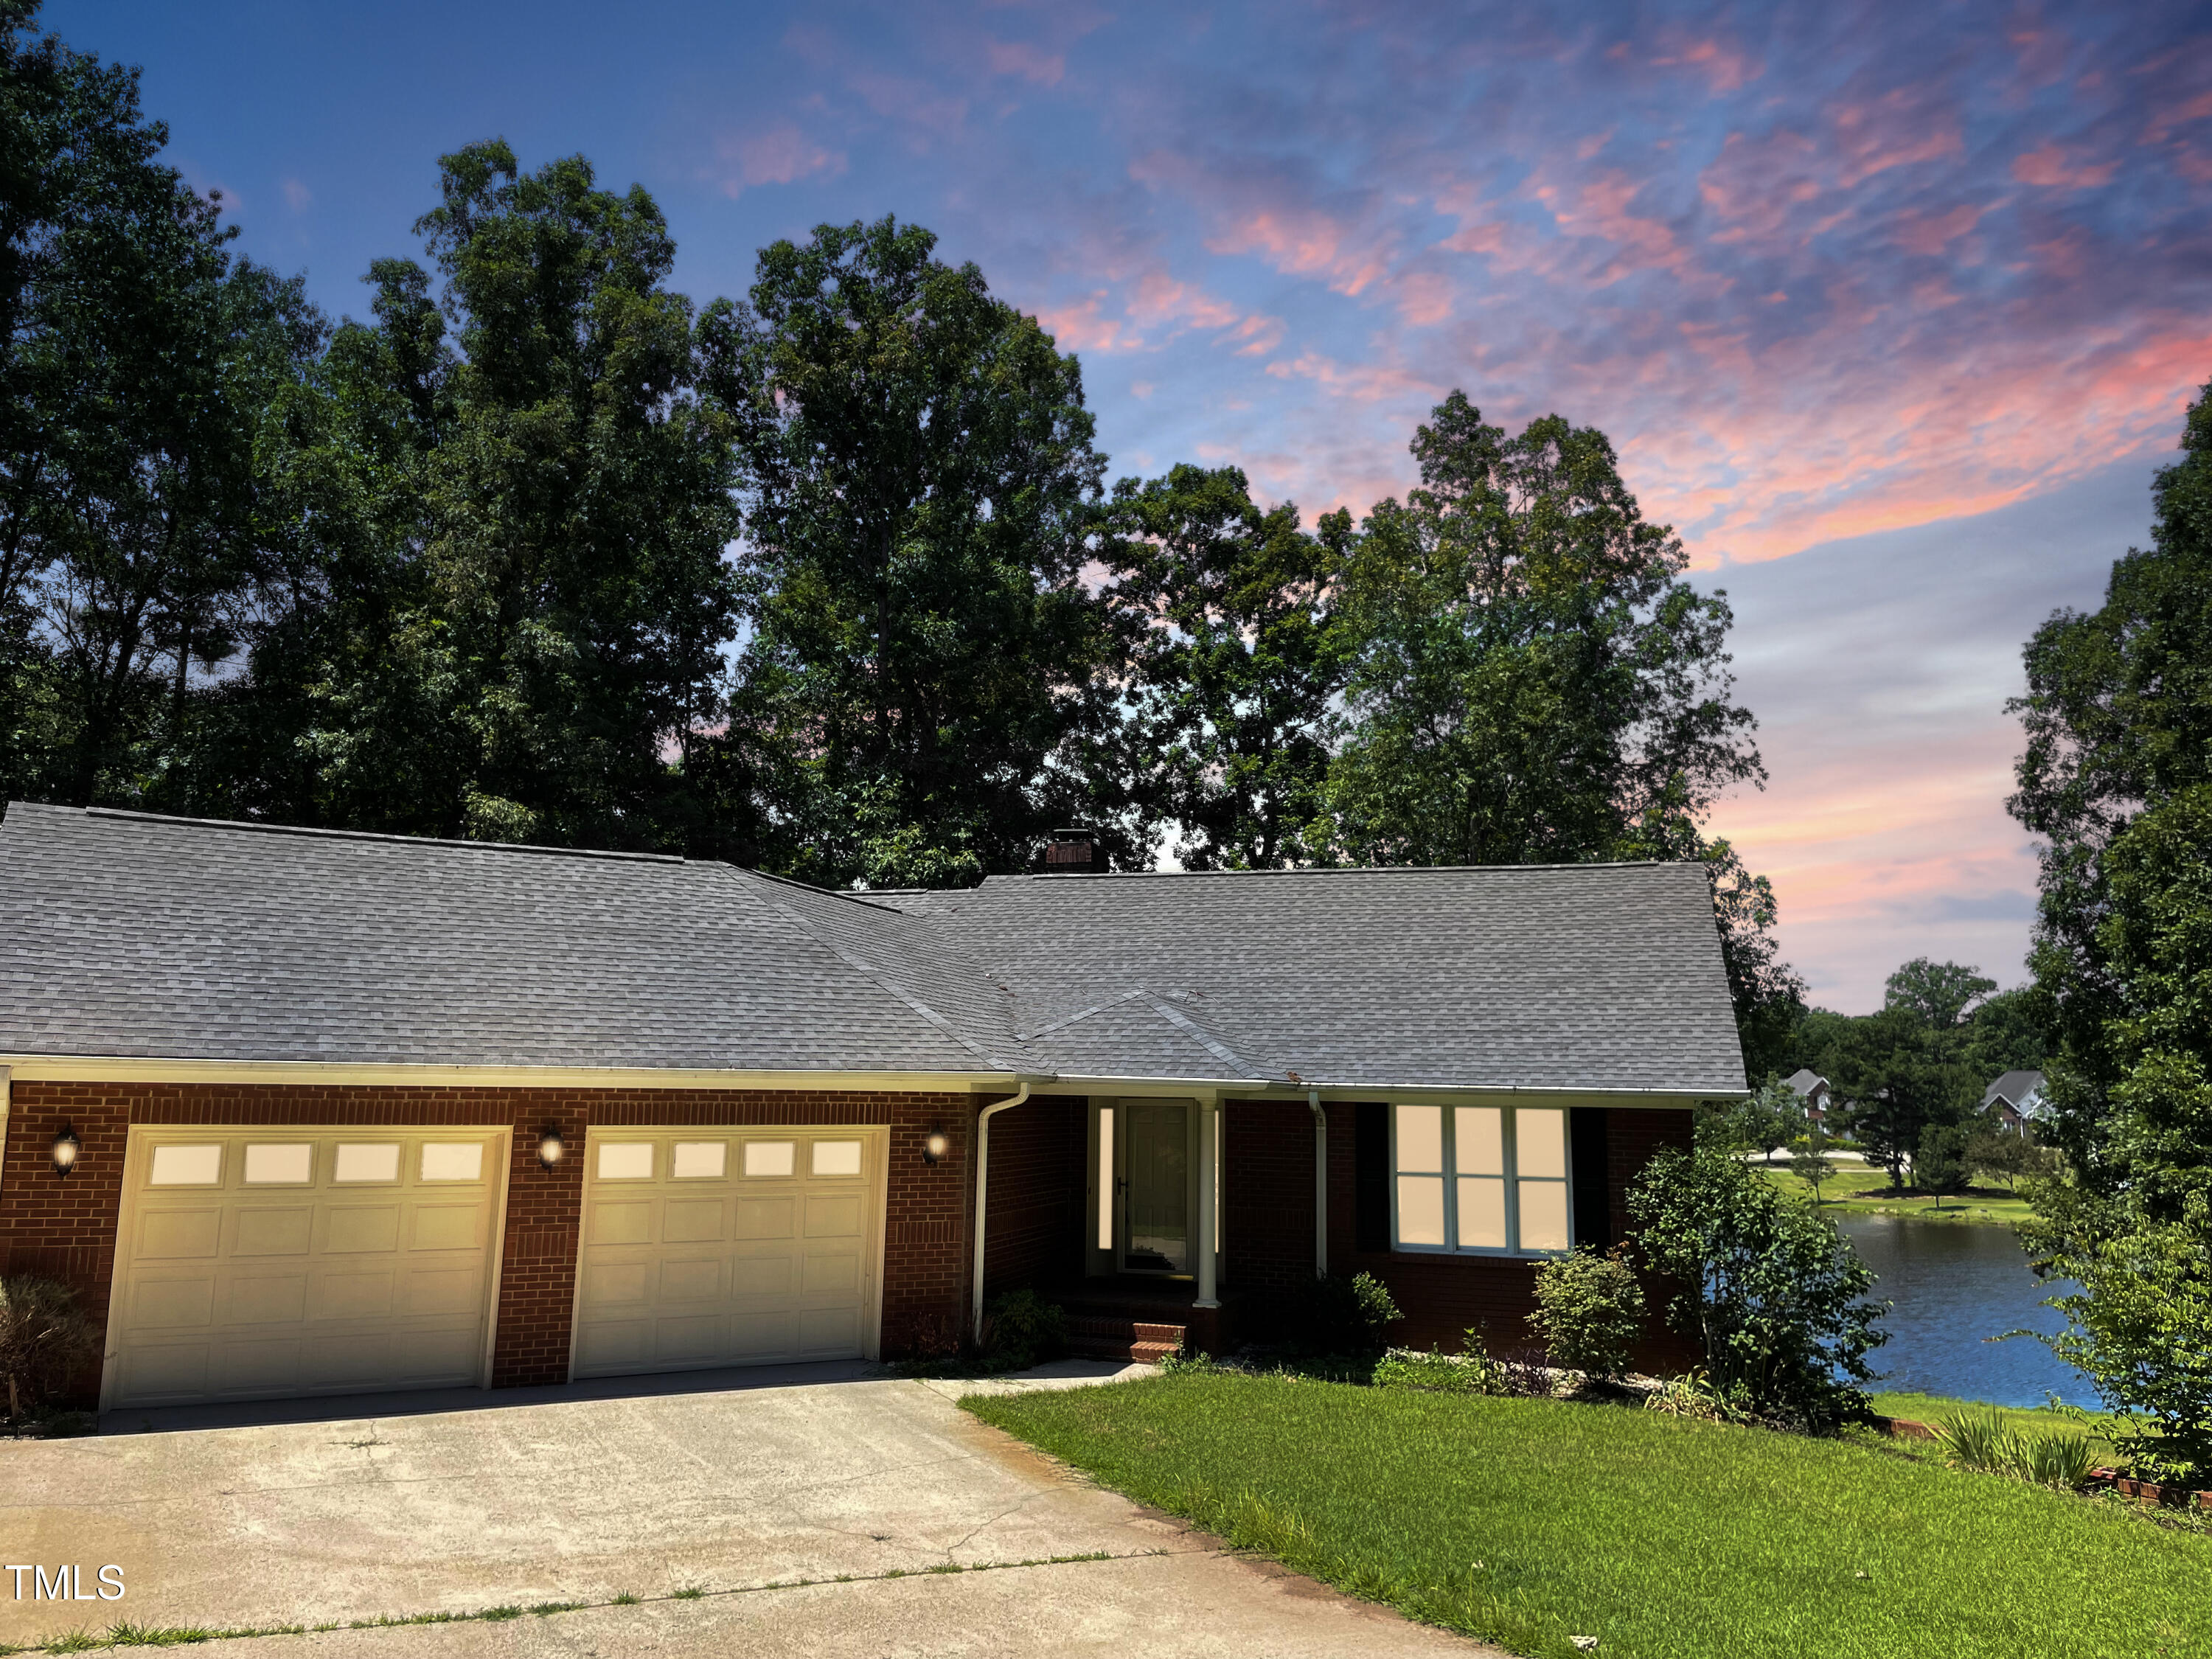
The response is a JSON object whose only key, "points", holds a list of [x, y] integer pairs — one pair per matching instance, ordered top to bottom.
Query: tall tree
{"points": [[139, 355], [1230, 609], [522, 640], [1532, 680], [926, 693], [2119, 719]]}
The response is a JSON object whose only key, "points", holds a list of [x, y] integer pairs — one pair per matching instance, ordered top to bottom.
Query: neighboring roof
{"points": [[127, 935], [1553, 976], [1805, 1080], [2018, 1090]]}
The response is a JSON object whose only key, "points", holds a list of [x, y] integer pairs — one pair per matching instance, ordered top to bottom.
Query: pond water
{"points": [[1955, 1285]]}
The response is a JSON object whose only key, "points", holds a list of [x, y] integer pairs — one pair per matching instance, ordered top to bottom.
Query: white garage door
{"points": [[706, 1247], [271, 1262]]}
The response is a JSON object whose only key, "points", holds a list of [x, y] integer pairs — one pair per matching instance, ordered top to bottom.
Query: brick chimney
{"points": [[1071, 853]]}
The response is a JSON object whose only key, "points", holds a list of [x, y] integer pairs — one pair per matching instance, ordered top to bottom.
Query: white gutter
{"points": [[1321, 1184], [983, 1188]]}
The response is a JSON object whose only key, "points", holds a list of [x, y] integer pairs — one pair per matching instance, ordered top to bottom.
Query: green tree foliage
{"points": [[138, 366], [1228, 609], [530, 647], [1530, 680], [926, 692], [2118, 778], [2005, 1034], [1906, 1069], [1771, 1116], [1772, 1292], [1589, 1311]]}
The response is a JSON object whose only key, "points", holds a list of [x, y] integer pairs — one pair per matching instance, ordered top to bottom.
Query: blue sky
{"points": [[1891, 310]]}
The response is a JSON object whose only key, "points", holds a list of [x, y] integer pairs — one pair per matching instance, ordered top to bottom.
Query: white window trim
{"points": [[1508, 1131]]}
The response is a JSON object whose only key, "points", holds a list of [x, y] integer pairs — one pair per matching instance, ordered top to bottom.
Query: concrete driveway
{"points": [[725, 1492]]}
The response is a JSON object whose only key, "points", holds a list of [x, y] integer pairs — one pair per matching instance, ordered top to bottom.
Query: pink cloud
{"points": [[1018, 57], [780, 155], [2048, 168]]}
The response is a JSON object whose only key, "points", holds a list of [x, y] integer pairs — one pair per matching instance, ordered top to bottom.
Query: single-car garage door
{"points": [[727, 1247], [276, 1260]]}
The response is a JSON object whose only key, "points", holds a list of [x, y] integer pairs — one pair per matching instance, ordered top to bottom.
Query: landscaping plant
{"points": [[1774, 1294], [1589, 1311], [1353, 1316], [1021, 1328], [45, 1340], [1980, 1438]]}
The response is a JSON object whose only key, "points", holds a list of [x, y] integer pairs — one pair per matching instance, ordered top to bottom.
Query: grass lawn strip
{"points": [[1851, 1191], [1528, 1521], [179, 1636]]}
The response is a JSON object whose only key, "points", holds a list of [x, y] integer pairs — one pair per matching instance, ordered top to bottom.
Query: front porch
{"points": [[1262, 1200]]}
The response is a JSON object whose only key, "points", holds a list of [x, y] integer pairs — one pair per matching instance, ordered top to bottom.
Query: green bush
{"points": [[1776, 1296], [1589, 1311], [1345, 1315], [1021, 1329], [45, 1340], [1437, 1373], [1981, 1439]]}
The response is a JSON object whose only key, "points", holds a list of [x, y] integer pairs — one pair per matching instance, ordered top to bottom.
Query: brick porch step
{"points": [[1096, 1338]]}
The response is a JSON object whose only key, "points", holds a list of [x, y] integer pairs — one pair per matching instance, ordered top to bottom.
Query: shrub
{"points": [[1775, 1296], [1589, 1311], [1347, 1316], [1021, 1328], [45, 1340], [1433, 1372], [1694, 1396], [1981, 1439]]}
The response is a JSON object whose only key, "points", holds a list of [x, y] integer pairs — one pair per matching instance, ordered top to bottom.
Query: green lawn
{"points": [[1856, 1191], [1528, 1521]]}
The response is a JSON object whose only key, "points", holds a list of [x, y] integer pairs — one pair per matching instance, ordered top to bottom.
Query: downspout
{"points": [[1321, 1183], [982, 1189]]}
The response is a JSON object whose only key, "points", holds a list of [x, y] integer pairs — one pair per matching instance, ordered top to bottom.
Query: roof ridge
{"points": [[256, 827], [1328, 870]]}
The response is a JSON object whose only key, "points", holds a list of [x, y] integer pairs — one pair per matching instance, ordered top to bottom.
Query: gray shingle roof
{"points": [[128, 935], [1574, 977]]}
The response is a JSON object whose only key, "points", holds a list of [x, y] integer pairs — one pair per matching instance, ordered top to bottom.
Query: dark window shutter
{"points": [[1586, 1129], [1371, 1177]]}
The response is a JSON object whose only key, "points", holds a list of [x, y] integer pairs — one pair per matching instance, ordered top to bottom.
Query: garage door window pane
{"points": [[837, 1157], [768, 1158], [626, 1160], [699, 1160], [369, 1161], [452, 1163], [280, 1165], [186, 1166]]}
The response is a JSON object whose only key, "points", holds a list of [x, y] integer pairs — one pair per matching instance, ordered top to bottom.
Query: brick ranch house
{"points": [[348, 1112]]}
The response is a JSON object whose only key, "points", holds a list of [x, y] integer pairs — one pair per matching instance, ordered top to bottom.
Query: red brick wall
{"points": [[1039, 1176], [1267, 1196], [67, 1228], [1442, 1297]]}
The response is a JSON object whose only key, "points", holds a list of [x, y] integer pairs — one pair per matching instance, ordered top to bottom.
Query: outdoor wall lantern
{"points": [[550, 1146], [935, 1146], [65, 1148]]}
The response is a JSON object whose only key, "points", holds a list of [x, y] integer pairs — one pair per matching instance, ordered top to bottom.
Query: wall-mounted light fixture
{"points": [[550, 1146], [935, 1146], [66, 1149]]}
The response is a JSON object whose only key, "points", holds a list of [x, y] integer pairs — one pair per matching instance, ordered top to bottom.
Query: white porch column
{"points": [[1209, 1199]]}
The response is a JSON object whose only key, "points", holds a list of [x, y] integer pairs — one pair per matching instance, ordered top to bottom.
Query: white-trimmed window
{"points": [[1482, 1179]]}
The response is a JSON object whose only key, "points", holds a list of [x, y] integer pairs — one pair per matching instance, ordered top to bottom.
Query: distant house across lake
{"points": [[1813, 1090], [2016, 1100]]}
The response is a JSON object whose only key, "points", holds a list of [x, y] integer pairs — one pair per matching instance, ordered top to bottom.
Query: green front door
{"points": [[1156, 1186]]}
